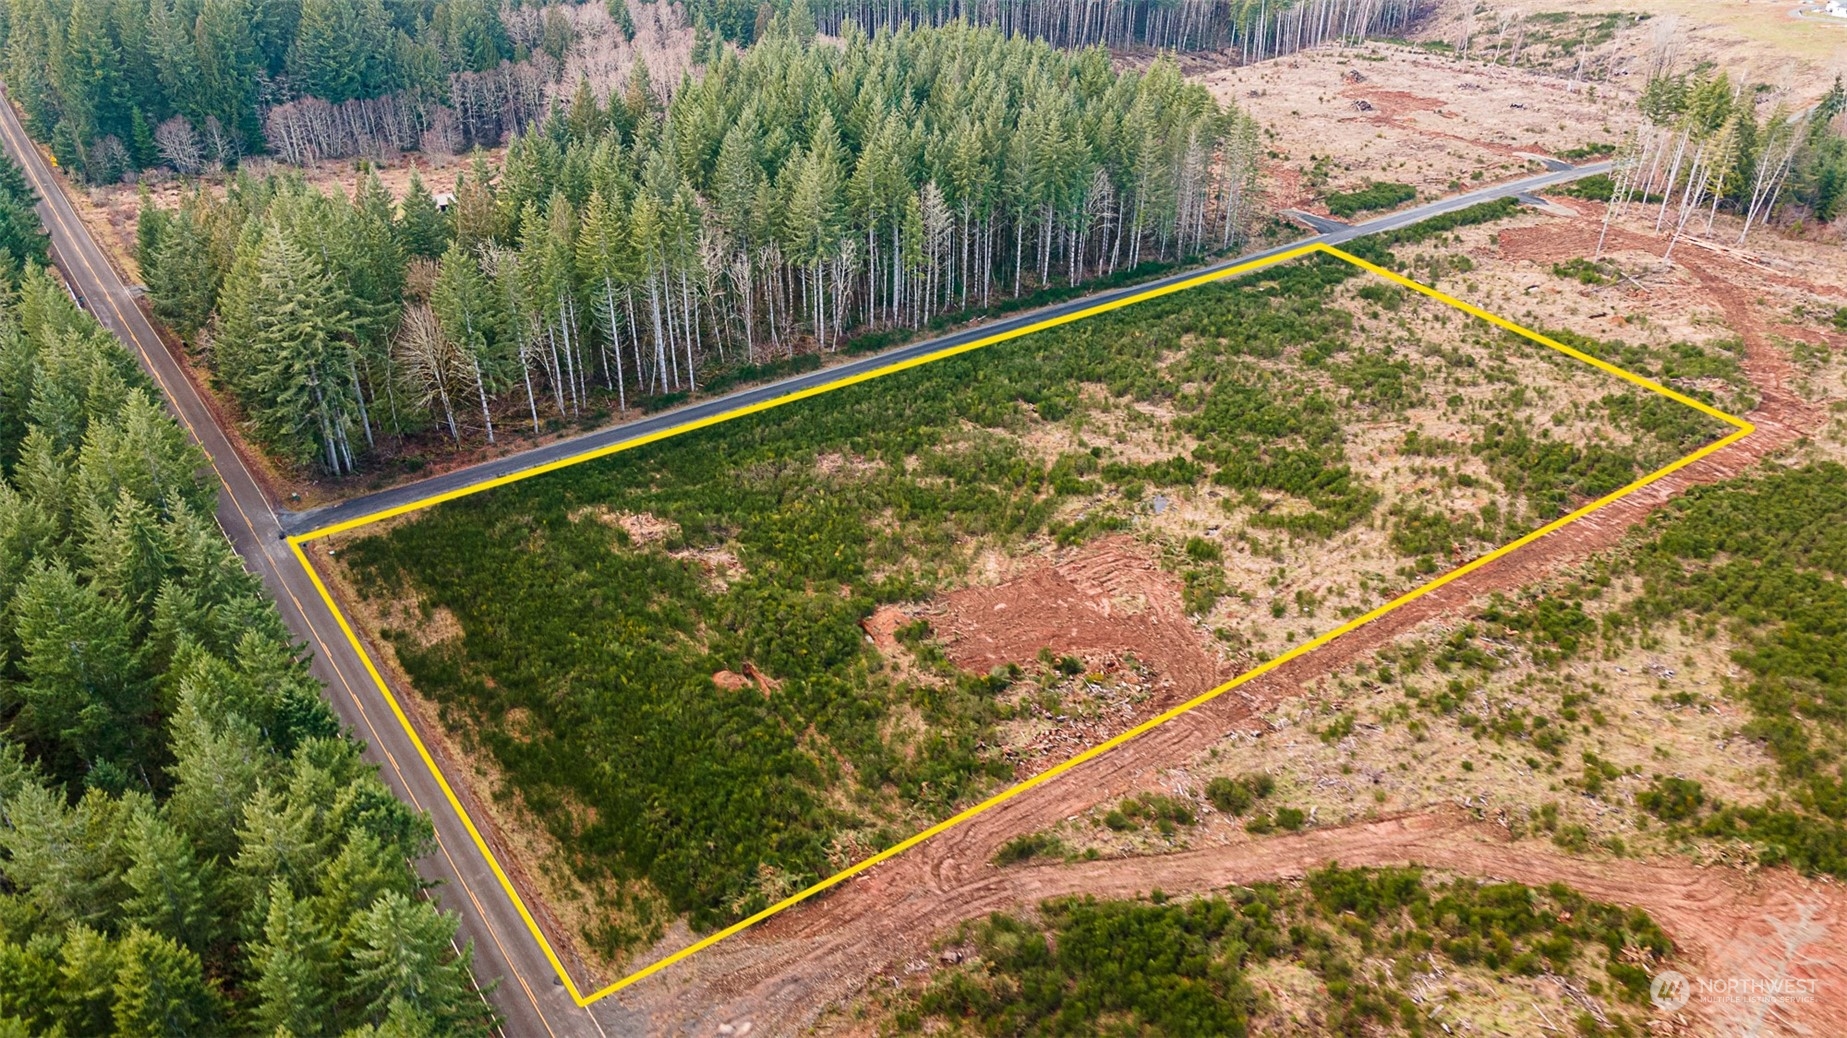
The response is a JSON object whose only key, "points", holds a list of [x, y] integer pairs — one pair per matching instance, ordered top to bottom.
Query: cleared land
{"points": [[1338, 120], [659, 658], [1614, 670], [1348, 951]]}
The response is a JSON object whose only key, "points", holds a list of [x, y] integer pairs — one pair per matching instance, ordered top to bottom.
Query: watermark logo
{"points": [[1669, 991]]}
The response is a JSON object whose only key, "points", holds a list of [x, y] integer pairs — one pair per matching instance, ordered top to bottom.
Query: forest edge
{"points": [[1740, 429]]}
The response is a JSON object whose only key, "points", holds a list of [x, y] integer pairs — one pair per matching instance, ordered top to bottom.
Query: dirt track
{"points": [[797, 964]]}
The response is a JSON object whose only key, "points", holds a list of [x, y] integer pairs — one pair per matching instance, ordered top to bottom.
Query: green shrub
{"points": [[1592, 150], [1598, 187], [1375, 195], [1424, 230], [1585, 271], [1388, 297], [1201, 550], [1236, 796], [1672, 799], [1030, 845], [1163, 967]]}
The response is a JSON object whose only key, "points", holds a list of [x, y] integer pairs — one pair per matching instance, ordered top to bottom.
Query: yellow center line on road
{"points": [[80, 237], [1740, 429]]}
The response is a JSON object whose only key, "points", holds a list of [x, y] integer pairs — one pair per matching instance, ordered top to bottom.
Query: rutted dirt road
{"points": [[793, 966]]}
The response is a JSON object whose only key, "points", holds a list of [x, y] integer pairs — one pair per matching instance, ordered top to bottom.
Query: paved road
{"points": [[1318, 224], [459, 479], [505, 954], [524, 988]]}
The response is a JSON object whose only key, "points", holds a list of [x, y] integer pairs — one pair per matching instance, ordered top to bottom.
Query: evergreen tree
{"points": [[341, 49], [228, 60], [423, 229], [603, 264], [181, 276], [464, 304], [301, 373], [82, 693], [216, 770], [67, 860], [173, 889], [405, 964], [90, 968], [294, 968], [161, 990]]}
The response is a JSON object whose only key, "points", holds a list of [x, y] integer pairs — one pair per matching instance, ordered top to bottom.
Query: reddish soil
{"points": [[1394, 104], [1398, 107], [1286, 188], [1110, 598], [882, 627], [731, 681], [1757, 927], [789, 968]]}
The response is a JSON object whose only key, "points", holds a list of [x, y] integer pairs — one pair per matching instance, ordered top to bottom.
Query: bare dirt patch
{"points": [[1753, 40], [1412, 117], [641, 527], [1110, 597], [882, 628], [731, 681]]}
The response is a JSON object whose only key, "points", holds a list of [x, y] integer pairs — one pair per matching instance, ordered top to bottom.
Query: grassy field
{"points": [[661, 652]]}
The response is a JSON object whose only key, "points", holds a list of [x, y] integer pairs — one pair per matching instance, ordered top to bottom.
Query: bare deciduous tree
{"points": [[443, 137], [179, 144], [223, 146], [431, 362]]}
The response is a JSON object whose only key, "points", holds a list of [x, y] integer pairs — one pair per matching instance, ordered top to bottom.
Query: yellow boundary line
{"points": [[1741, 429]]}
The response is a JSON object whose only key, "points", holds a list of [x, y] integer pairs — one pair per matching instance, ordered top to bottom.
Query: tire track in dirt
{"points": [[1770, 924], [788, 969]]}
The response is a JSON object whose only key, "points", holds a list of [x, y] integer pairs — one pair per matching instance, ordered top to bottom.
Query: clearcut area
{"points": [[697, 676]]}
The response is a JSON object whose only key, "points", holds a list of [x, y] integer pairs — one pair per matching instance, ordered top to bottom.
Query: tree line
{"points": [[1258, 29], [119, 85], [1706, 148], [23, 242], [627, 249], [188, 842]]}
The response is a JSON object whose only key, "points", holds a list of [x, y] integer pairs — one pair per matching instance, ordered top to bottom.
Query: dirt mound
{"points": [[1109, 598], [882, 627], [731, 681]]}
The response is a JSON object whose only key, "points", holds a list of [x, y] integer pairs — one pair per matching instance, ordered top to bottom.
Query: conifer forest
{"points": [[795, 196], [189, 844]]}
